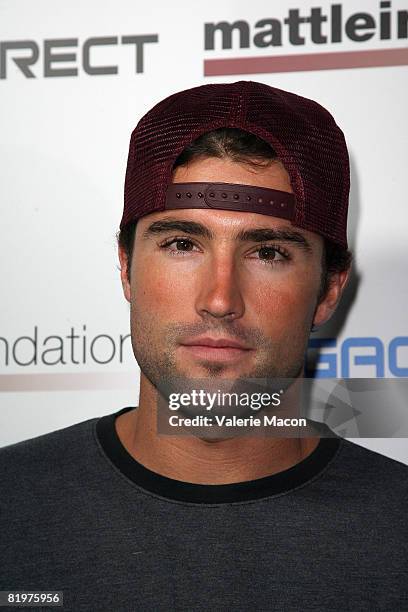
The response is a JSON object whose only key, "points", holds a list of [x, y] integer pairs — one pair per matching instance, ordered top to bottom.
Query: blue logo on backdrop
{"points": [[336, 360]]}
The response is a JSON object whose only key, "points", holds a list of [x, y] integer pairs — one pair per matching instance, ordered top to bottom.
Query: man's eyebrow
{"points": [[186, 227], [256, 234], [267, 234]]}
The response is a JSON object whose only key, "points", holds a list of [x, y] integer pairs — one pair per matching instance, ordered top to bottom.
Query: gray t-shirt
{"points": [[78, 514]]}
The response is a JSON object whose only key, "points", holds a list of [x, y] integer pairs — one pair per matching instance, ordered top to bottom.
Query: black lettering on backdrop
{"points": [[319, 26], [86, 52], [50, 57], [53, 58], [23, 62], [34, 349]]}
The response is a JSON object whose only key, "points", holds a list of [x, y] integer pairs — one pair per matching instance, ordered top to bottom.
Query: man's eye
{"points": [[178, 244], [183, 245], [269, 254]]}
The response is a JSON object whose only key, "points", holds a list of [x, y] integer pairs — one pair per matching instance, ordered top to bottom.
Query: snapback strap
{"points": [[231, 196]]}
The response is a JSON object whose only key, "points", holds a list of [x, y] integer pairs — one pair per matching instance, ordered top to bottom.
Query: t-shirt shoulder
{"points": [[46, 456], [375, 459], [376, 477]]}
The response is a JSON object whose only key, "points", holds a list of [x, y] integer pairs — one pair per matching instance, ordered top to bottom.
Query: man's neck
{"points": [[201, 461]]}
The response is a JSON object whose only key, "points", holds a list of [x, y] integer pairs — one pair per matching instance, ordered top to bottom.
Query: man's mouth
{"points": [[215, 349]]}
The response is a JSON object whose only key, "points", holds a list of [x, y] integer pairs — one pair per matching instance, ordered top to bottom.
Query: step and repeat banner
{"points": [[76, 77]]}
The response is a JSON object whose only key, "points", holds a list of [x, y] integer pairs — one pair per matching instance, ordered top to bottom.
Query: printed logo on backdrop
{"points": [[327, 27], [66, 57]]}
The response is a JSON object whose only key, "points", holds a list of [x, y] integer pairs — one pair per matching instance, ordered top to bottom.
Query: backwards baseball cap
{"points": [[303, 133]]}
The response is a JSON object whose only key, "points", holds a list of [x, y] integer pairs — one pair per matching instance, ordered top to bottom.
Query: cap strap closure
{"points": [[231, 196]]}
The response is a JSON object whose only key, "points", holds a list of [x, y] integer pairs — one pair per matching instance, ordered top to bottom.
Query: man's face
{"points": [[201, 276]]}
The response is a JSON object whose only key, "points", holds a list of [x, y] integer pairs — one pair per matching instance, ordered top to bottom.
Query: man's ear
{"points": [[124, 273], [328, 303]]}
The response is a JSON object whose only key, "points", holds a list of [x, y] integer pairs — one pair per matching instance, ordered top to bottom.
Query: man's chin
{"points": [[214, 369]]}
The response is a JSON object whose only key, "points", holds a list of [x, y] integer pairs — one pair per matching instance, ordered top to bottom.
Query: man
{"points": [[232, 247]]}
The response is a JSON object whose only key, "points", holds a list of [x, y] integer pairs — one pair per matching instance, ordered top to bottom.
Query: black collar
{"points": [[178, 490]]}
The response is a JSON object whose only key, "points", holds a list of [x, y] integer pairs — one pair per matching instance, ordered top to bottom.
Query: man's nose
{"points": [[219, 291]]}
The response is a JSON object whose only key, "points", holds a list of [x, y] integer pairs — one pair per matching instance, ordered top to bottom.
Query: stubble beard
{"points": [[155, 355]]}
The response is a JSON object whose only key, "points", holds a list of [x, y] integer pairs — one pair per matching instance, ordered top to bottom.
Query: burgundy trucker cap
{"points": [[303, 133]]}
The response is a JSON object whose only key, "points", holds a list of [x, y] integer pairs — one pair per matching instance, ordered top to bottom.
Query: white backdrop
{"points": [[64, 143]]}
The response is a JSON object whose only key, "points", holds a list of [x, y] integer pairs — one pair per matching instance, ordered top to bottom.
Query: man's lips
{"points": [[215, 342], [219, 349]]}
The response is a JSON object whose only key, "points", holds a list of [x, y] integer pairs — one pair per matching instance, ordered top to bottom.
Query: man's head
{"points": [[194, 276]]}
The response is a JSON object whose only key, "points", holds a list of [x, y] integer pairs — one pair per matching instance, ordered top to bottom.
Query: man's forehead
{"points": [[208, 169], [219, 218], [221, 223]]}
